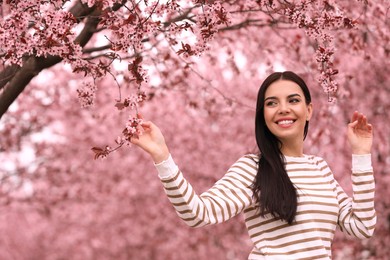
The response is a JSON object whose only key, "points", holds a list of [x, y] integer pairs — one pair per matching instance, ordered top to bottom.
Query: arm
{"points": [[227, 198], [357, 216]]}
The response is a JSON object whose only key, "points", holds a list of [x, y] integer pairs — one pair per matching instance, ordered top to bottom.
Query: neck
{"points": [[292, 149]]}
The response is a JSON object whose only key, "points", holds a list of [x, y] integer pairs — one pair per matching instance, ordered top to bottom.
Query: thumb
{"points": [[353, 124]]}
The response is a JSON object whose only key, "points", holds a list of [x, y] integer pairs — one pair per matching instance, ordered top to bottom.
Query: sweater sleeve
{"points": [[228, 197], [357, 215]]}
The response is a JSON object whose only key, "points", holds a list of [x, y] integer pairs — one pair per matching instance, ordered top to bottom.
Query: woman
{"points": [[291, 202]]}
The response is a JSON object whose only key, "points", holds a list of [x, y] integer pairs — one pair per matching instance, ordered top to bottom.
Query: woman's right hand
{"points": [[152, 141]]}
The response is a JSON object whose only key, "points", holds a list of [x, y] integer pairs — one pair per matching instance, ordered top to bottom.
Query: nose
{"points": [[284, 108]]}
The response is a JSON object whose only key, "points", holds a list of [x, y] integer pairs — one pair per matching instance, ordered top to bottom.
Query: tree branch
{"points": [[100, 48], [7, 74], [19, 77], [22, 77]]}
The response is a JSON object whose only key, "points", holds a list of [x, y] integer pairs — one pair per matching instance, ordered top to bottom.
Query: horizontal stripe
{"points": [[307, 169], [361, 174], [322, 176], [248, 178], [171, 179], [363, 182], [312, 183], [175, 187], [363, 191], [307, 194], [363, 200], [317, 203], [322, 205], [363, 209], [317, 212], [368, 218], [295, 223], [287, 234], [300, 241], [306, 249], [315, 257], [300, 258]]}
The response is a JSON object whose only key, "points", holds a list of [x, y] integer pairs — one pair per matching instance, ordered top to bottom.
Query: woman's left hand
{"points": [[360, 134]]}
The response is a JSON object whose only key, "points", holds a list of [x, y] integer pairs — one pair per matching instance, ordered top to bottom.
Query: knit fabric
{"points": [[322, 205]]}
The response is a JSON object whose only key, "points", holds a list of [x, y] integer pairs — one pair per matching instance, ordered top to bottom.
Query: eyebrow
{"points": [[289, 96]]}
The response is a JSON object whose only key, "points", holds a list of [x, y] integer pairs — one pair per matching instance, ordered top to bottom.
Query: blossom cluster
{"points": [[102, 3], [254, 4], [210, 18], [318, 20], [35, 29], [86, 94], [132, 101], [133, 128]]}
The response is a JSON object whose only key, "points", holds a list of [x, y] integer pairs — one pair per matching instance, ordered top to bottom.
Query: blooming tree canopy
{"points": [[75, 76]]}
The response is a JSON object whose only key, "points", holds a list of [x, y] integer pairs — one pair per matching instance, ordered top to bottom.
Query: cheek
{"points": [[305, 112], [267, 117]]}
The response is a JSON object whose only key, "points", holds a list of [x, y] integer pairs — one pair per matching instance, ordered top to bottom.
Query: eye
{"points": [[294, 100], [270, 103]]}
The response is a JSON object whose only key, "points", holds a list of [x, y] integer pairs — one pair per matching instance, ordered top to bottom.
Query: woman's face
{"points": [[286, 111]]}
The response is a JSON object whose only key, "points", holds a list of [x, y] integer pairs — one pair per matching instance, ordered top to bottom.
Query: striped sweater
{"points": [[322, 205]]}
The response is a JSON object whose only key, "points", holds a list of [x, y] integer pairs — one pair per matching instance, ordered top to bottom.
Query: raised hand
{"points": [[360, 134], [152, 141]]}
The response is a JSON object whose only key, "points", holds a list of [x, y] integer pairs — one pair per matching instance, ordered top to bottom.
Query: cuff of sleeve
{"points": [[361, 162], [166, 168]]}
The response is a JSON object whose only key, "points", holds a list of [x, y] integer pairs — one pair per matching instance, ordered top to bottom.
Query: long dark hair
{"points": [[272, 188]]}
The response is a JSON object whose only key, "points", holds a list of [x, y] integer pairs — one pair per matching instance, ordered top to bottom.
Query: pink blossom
{"points": [[79, 74]]}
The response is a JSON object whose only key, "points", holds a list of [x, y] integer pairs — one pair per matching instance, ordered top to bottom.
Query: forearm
{"points": [[180, 193], [227, 198], [358, 216]]}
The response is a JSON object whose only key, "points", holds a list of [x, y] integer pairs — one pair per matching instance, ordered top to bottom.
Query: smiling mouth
{"points": [[285, 122]]}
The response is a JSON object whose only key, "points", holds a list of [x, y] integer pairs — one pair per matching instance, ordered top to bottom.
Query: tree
{"points": [[194, 67]]}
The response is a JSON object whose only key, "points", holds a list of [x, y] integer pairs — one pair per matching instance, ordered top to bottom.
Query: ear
{"points": [[309, 111]]}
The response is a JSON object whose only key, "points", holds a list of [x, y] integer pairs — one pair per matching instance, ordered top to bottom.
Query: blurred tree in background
{"points": [[75, 74]]}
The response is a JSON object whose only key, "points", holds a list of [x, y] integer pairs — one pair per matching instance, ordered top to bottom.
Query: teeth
{"points": [[285, 122]]}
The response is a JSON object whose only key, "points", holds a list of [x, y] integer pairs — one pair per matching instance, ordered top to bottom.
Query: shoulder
{"points": [[249, 158], [247, 162], [244, 169]]}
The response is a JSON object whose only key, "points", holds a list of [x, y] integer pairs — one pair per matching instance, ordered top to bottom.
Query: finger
{"points": [[139, 116], [355, 116], [360, 120], [364, 121], [146, 124], [353, 124], [370, 128], [134, 140]]}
